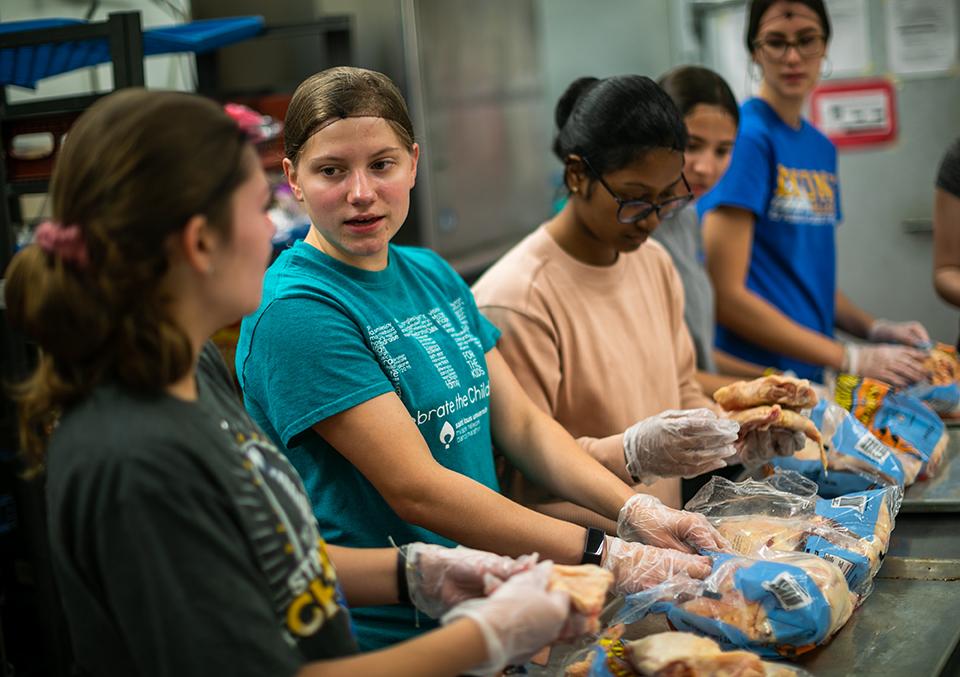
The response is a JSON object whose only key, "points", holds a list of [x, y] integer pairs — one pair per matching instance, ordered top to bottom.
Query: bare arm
{"points": [[728, 236], [946, 246], [850, 317], [728, 365], [711, 383], [382, 442], [544, 451], [368, 576], [446, 652]]}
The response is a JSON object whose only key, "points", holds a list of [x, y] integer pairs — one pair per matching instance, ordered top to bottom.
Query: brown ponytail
{"points": [[134, 169]]}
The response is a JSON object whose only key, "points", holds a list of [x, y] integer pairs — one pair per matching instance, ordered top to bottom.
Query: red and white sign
{"points": [[856, 112]]}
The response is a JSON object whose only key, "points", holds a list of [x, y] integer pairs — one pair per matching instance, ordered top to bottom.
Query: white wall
{"points": [[161, 72]]}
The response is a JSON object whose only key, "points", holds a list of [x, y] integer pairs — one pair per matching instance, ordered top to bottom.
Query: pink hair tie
{"points": [[65, 242]]}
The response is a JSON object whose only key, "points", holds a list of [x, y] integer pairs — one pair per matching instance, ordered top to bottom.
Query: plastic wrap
{"points": [[940, 390], [905, 424], [856, 459], [757, 517], [781, 606], [669, 654]]}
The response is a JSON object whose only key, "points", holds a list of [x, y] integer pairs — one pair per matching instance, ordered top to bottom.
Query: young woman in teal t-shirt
{"points": [[371, 365]]}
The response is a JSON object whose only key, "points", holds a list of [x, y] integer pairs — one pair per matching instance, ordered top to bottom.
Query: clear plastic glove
{"points": [[907, 333], [896, 365], [678, 443], [758, 446], [645, 519], [637, 567], [439, 578], [517, 620]]}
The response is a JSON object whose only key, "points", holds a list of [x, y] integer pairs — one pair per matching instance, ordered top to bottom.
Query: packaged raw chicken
{"points": [[941, 389], [905, 424], [856, 459], [757, 517], [780, 606], [671, 654]]}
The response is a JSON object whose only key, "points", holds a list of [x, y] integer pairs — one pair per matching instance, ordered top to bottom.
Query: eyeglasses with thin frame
{"points": [[807, 46], [632, 211]]}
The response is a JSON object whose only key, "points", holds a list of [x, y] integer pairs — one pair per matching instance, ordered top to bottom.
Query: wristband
{"points": [[593, 546], [403, 590]]}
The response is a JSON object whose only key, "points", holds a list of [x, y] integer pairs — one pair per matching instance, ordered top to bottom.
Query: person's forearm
{"points": [[946, 280], [851, 318], [758, 321], [728, 365], [711, 383], [608, 451], [552, 459], [467, 512], [368, 576], [449, 651]]}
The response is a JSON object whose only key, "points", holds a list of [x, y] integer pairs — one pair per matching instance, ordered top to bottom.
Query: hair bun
{"points": [[570, 97]]}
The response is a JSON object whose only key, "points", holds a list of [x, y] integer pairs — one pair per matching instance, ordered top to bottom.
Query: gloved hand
{"points": [[907, 333], [896, 365], [676, 443], [758, 446], [645, 519], [637, 567], [439, 578], [517, 620]]}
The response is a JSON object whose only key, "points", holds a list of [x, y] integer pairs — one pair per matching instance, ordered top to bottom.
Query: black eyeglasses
{"points": [[807, 46], [632, 211]]}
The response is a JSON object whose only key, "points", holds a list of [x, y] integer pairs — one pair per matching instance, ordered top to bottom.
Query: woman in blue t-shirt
{"points": [[769, 224], [370, 365]]}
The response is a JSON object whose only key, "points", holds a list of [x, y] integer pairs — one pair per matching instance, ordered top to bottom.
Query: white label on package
{"points": [[871, 447], [858, 503], [845, 565], [788, 592]]}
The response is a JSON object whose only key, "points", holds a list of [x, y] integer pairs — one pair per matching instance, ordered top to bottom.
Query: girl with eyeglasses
{"points": [[770, 222], [591, 311], [370, 366]]}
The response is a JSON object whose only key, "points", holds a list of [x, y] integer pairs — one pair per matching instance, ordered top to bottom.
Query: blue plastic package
{"points": [[902, 422], [856, 459], [784, 605]]}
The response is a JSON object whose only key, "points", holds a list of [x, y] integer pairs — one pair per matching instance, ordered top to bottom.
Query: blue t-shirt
{"points": [[788, 179], [329, 336]]}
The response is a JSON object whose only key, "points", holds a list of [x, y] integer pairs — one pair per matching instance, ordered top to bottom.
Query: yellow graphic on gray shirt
{"points": [[315, 594]]}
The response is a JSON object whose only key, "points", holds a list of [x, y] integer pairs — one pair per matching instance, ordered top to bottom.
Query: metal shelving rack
{"points": [[23, 552]]}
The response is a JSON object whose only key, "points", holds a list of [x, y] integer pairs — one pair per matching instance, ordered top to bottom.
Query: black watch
{"points": [[593, 546]]}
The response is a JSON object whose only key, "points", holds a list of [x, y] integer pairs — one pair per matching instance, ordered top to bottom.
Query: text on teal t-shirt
{"points": [[329, 336]]}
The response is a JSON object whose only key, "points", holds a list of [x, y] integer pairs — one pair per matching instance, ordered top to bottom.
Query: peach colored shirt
{"points": [[596, 347]]}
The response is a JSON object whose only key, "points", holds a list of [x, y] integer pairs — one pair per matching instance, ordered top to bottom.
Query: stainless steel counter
{"points": [[942, 493]]}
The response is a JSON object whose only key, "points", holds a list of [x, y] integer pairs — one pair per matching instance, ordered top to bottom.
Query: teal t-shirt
{"points": [[329, 336]]}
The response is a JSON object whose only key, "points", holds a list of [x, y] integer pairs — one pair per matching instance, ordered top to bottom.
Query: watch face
{"points": [[593, 546]]}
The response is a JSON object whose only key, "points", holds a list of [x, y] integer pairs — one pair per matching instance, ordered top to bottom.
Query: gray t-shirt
{"points": [[948, 178], [680, 235], [183, 542]]}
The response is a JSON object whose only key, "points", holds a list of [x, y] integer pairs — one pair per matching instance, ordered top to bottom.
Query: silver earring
{"points": [[827, 69]]}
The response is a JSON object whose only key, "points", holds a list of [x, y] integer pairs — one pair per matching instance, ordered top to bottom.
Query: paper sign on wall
{"points": [[921, 36], [856, 112]]}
